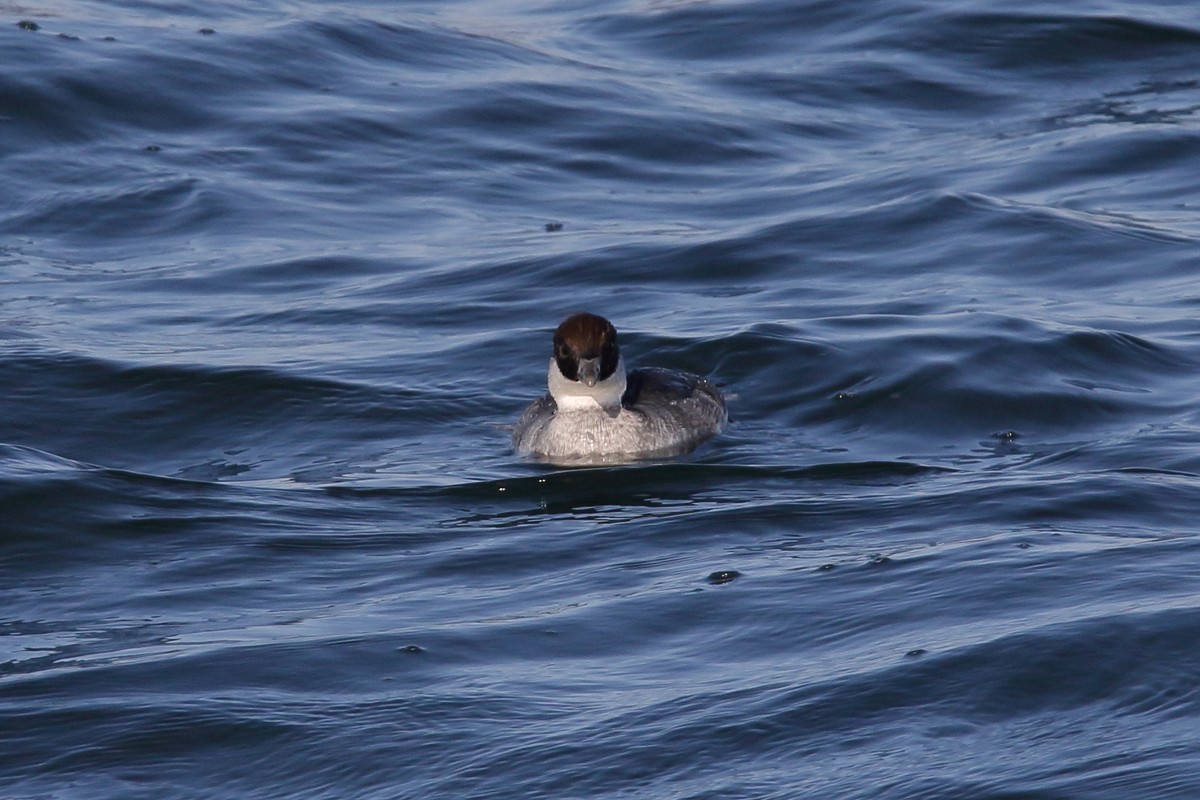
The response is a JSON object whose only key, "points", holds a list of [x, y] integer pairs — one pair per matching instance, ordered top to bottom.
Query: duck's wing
{"points": [[651, 384], [533, 418]]}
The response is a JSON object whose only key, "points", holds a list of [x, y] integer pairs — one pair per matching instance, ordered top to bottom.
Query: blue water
{"points": [[275, 277]]}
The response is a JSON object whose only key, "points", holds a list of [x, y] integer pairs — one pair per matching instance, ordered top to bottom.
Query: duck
{"points": [[598, 412]]}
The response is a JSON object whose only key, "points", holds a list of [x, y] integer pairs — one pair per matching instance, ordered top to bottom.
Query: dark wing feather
{"points": [[650, 383], [541, 409]]}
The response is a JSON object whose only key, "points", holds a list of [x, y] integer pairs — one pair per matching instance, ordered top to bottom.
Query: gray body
{"points": [[661, 413]]}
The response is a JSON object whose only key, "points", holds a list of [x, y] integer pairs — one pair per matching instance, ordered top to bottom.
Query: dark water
{"points": [[275, 276]]}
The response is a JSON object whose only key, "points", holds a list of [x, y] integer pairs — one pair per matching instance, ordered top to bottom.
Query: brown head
{"points": [[585, 348]]}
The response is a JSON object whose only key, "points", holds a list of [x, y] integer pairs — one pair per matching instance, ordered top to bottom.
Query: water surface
{"points": [[274, 281]]}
